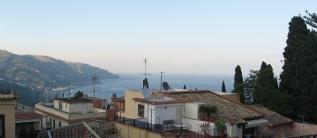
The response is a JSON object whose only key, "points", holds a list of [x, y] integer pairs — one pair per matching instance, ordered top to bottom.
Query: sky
{"points": [[176, 36]]}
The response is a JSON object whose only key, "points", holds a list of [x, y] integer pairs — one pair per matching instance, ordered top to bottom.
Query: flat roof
{"points": [[7, 95], [75, 100], [160, 100]]}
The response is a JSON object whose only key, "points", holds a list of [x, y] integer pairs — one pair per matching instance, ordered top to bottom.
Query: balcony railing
{"points": [[79, 130]]}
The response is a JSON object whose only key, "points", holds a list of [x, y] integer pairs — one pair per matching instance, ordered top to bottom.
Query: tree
{"points": [[311, 19], [299, 76], [238, 84], [249, 85], [166, 86], [223, 87], [265, 87], [79, 94], [221, 127]]}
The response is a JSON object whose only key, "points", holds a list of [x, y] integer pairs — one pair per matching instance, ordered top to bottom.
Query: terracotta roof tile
{"points": [[227, 109], [273, 117]]}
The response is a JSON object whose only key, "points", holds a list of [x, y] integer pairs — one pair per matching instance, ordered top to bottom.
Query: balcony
{"points": [[43, 109]]}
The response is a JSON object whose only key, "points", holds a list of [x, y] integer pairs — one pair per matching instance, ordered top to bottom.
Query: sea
{"points": [[106, 88]]}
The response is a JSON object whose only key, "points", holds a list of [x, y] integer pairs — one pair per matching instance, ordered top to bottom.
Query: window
{"points": [[60, 106], [141, 110], [53, 123], [60, 124], [2, 127]]}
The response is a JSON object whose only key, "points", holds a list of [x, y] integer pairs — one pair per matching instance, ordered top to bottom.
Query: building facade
{"points": [[65, 111], [7, 114]]}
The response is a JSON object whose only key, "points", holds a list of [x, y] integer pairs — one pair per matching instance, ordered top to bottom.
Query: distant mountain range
{"points": [[38, 73]]}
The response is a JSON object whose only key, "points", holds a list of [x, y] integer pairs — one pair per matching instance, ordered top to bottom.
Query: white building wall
{"points": [[74, 107], [81, 108], [191, 110], [162, 113], [194, 125], [234, 131]]}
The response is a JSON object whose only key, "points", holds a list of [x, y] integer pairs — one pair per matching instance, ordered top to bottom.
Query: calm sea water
{"points": [[134, 82]]}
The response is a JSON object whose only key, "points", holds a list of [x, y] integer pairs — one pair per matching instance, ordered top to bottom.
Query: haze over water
{"points": [[176, 81]]}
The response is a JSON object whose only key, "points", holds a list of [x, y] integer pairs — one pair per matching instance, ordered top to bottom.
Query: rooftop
{"points": [[7, 95], [75, 100], [157, 100], [228, 110], [21, 116], [271, 116]]}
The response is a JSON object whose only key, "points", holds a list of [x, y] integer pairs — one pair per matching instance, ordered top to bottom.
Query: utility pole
{"points": [[94, 78], [69, 85], [161, 88]]}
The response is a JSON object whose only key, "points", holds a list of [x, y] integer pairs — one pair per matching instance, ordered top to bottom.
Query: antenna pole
{"points": [[145, 68], [94, 78], [69, 85], [161, 88]]}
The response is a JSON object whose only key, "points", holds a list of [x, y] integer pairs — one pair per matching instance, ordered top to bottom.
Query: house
{"points": [[118, 102], [130, 105], [159, 109], [180, 109], [65, 111], [7, 113], [240, 120], [27, 123]]}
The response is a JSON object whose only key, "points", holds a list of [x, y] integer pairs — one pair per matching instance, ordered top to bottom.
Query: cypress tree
{"points": [[299, 76], [238, 84], [266, 86], [223, 87]]}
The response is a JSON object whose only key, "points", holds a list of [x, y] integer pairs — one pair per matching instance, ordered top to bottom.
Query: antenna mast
{"points": [[145, 68], [94, 78], [161, 88]]}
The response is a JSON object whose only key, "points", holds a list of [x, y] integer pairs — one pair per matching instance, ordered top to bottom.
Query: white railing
{"points": [[69, 116]]}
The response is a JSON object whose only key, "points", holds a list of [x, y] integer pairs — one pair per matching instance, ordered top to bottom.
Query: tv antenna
{"points": [[145, 80], [161, 88]]}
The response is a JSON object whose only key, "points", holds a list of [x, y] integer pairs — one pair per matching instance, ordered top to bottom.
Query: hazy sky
{"points": [[177, 36]]}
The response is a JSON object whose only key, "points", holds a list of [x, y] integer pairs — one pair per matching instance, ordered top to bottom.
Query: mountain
{"points": [[38, 73]]}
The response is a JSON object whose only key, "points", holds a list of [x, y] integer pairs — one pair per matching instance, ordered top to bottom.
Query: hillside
{"points": [[41, 72]]}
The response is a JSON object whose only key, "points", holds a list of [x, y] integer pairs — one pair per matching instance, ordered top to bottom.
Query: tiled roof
{"points": [[7, 95], [227, 110], [26, 116], [271, 116]]}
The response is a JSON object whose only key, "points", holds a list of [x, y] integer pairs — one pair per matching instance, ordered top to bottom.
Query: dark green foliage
{"points": [[311, 19], [299, 76], [238, 84], [249, 85], [166, 86], [265, 86], [223, 87], [79, 94], [206, 110], [221, 127]]}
